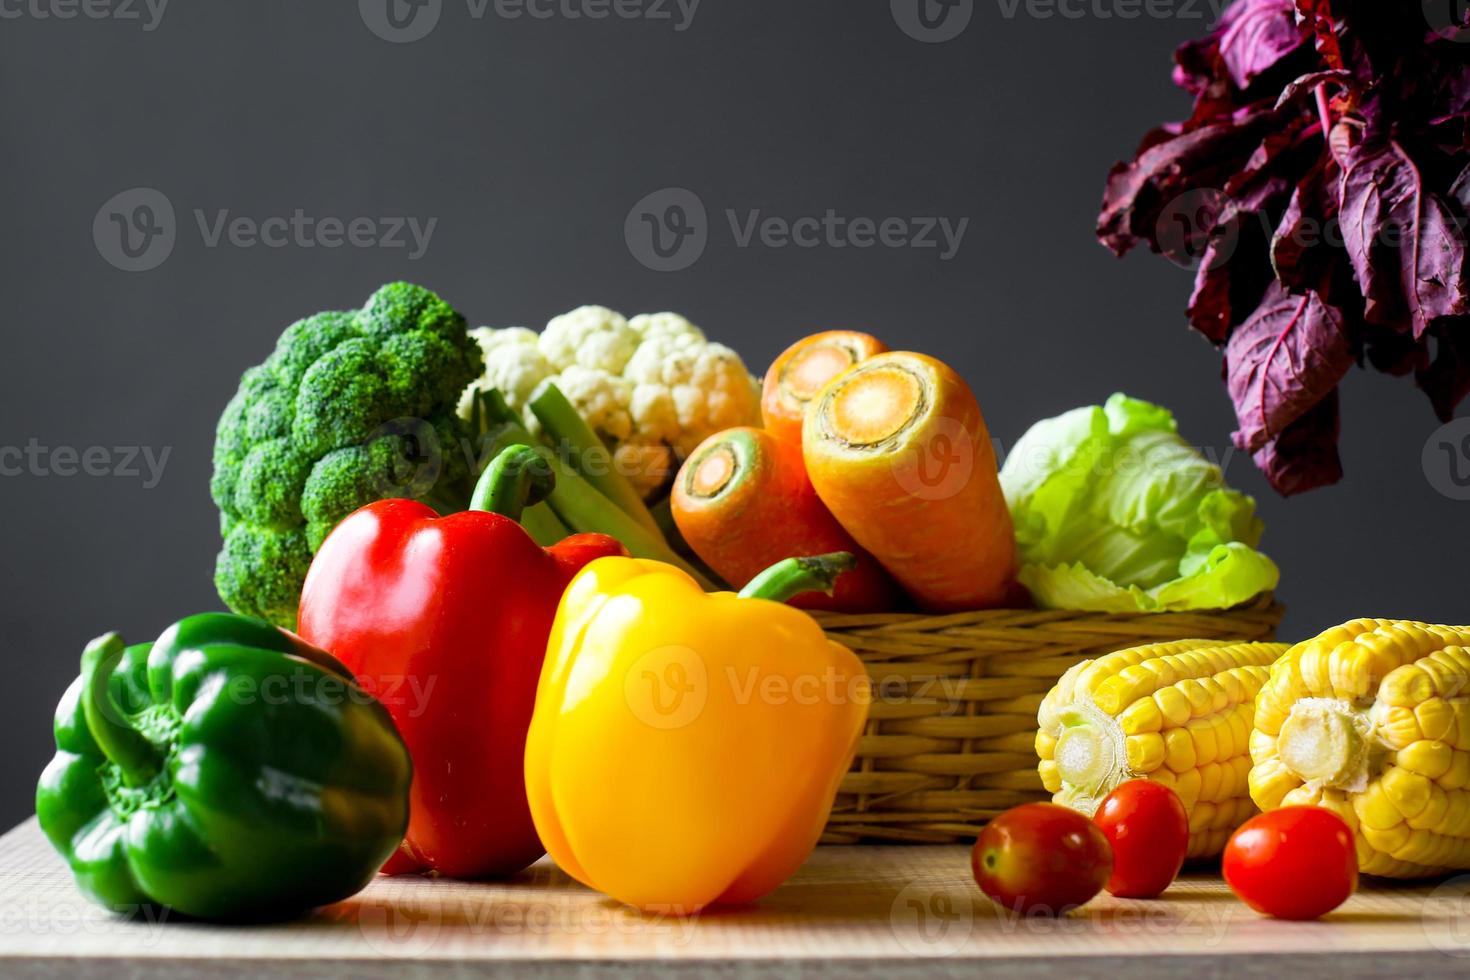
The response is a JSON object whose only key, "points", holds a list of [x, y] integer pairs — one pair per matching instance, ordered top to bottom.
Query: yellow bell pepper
{"points": [[686, 748]]}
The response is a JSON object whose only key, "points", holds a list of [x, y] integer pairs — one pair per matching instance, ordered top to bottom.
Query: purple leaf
{"points": [[1256, 34], [1305, 86], [1460, 189], [1137, 192], [1405, 246], [1301, 247], [1209, 304], [1281, 361], [1446, 380], [1304, 456]]}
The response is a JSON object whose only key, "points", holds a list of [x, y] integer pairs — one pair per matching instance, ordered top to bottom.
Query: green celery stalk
{"points": [[572, 438], [581, 506], [540, 521]]}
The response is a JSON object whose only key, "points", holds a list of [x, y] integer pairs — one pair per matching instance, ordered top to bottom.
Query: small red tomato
{"points": [[1148, 829], [1041, 858], [1298, 862]]}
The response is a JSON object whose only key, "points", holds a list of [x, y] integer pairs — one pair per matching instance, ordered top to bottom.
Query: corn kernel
{"points": [[1173, 705], [1141, 716], [1397, 726], [1206, 744], [1178, 750], [1145, 752], [1427, 758], [1050, 778], [1211, 778], [1186, 784], [1408, 791], [1375, 809]]}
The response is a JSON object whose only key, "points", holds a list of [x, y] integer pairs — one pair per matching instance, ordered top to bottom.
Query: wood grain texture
{"points": [[874, 911]]}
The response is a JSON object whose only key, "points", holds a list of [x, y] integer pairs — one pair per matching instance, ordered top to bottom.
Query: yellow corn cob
{"points": [[1178, 713], [1372, 720]]}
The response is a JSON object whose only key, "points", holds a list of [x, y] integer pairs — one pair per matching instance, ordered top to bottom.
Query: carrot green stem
{"points": [[517, 478], [794, 576], [123, 744]]}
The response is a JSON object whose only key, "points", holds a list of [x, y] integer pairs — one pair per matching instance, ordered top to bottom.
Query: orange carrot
{"points": [[803, 368], [898, 451], [743, 502]]}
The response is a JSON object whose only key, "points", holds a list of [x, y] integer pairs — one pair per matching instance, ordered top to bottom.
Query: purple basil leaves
{"points": [[1320, 191]]}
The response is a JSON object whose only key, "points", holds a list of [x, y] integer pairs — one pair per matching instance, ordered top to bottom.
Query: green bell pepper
{"points": [[228, 770]]}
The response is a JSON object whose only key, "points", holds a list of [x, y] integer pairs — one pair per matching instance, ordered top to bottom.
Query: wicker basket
{"points": [[949, 738]]}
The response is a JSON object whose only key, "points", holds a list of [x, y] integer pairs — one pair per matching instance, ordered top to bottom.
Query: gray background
{"points": [[530, 141]]}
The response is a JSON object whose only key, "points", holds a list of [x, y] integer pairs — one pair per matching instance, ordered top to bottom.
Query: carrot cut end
{"points": [[812, 367], [874, 405], [713, 472]]}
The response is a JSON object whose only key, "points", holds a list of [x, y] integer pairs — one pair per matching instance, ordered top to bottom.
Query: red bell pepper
{"points": [[445, 620]]}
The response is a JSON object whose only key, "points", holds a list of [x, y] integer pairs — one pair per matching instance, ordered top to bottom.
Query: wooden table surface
{"points": [[852, 911]]}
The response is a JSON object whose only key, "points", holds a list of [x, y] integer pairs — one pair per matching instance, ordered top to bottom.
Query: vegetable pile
{"points": [[1322, 184], [501, 651]]}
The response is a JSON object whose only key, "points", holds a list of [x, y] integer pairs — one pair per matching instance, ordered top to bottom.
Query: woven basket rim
{"points": [[1264, 603]]}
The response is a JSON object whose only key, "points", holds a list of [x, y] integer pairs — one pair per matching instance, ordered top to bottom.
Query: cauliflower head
{"points": [[653, 387]]}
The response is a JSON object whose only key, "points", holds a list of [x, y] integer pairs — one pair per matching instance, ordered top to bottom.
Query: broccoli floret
{"points": [[352, 407], [260, 570]]}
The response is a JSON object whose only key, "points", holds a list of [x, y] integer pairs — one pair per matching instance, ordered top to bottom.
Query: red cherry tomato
{"points": [[1148, 829], [1041, 858], [1298, 862]]}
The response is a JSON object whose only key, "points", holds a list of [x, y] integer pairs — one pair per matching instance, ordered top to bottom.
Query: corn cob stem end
{"points": [[1324, 743], [1091, 755]]}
